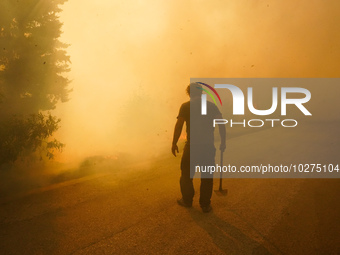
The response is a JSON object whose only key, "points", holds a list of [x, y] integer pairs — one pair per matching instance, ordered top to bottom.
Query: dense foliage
{"points": [[32, 64]]}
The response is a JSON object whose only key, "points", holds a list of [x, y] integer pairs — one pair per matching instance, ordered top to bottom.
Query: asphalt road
{"points": [[134, 211]]}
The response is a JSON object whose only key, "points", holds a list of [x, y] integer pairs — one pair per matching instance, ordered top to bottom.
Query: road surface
{"points": [[133, 210]]}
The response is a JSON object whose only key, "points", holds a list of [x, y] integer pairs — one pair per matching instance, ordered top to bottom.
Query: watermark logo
{"points": [[211, 88], [204, 97], [238, 99], [298, 121]]}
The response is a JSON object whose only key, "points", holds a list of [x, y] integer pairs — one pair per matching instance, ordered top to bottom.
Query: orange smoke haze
{"points": [[132, 60]]}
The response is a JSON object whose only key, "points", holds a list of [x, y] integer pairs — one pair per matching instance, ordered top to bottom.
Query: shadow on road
{"points": [[227, 237]]}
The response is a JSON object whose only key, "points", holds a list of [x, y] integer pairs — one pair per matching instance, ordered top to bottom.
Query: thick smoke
{"points": [[131, 61]]}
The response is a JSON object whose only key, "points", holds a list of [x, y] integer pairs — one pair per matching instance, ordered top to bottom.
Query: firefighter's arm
{"points": [[177, 134]]}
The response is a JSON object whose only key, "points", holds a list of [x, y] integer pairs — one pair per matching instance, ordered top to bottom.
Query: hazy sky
{"points": [[131, 60]]}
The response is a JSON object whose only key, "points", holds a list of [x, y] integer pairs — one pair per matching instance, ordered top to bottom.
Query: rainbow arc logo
{"points": [[209, 93]]}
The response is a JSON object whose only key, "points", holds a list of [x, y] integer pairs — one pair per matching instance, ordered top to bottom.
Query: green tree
{"points": [[32, 66]]}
